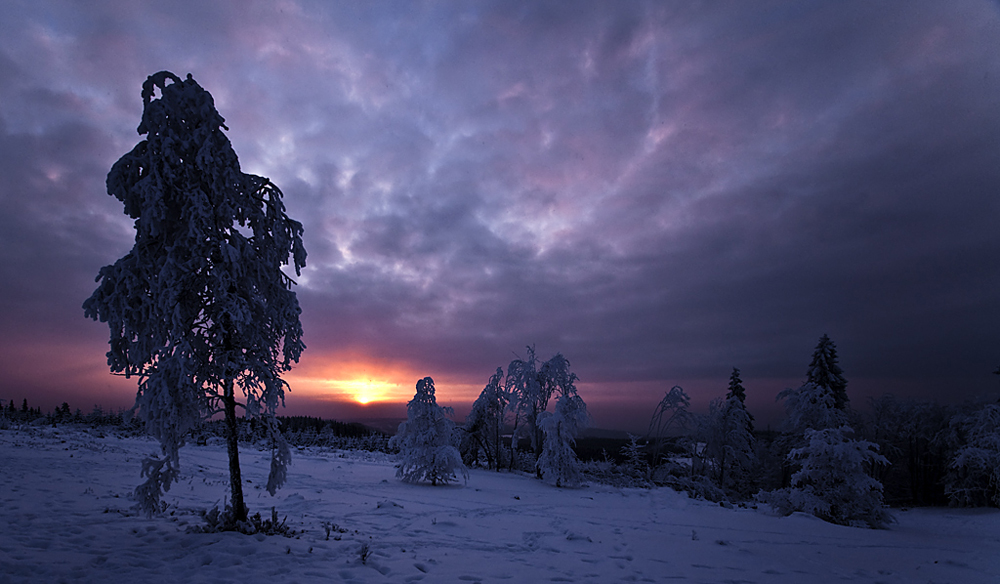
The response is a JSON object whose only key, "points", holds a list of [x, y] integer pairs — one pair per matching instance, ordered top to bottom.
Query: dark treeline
{"points": [[62, 414], [319, 426], [298, 430], [301, 431], [933, 456]]}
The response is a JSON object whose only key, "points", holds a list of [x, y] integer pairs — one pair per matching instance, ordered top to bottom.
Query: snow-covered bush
{"points": [[426, 442], [558, 463], [636, 463], [973, 477], [833, 482], [696, 487], [219, 521]]}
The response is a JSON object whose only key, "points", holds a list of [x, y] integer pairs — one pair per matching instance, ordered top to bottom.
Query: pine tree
{"points": [[200, 306], [824, 371], [737, 391], [729, 438], [425, 440], [833, 482]]}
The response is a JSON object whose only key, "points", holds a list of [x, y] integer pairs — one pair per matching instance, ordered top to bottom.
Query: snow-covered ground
{"points": [[64, 516]]}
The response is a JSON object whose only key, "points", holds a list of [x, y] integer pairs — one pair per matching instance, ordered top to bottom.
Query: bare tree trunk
{"points": [[513, 442], [232, 445], [722, 470]]}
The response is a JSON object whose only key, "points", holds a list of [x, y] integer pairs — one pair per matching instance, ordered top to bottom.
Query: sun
{"points": [[365, 391]]}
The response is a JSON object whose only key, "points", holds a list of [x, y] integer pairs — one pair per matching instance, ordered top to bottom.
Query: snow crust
{"points": [[66, 517]]}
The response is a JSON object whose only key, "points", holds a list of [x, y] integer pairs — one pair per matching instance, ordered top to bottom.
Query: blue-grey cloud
{"points": [[659, 191]]}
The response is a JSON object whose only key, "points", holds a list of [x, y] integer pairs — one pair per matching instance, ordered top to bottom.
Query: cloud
{"points": [[658, 191]]}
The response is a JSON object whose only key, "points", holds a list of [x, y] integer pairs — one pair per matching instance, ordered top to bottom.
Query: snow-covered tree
{"points": [[200, 306], [824, 371], [529, 388], [737, 391], [528, 398], [811, 406], [483, 429], [729, 439], [425, 440], [558, 463], [973, 477], [834, 482]]}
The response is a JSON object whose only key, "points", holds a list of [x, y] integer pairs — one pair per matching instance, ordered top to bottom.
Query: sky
{"points": [[659, 191]]}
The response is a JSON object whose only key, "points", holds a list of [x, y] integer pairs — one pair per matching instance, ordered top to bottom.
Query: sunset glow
{"points": [[365, 391]]}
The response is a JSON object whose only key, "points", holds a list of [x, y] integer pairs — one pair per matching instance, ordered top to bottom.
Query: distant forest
{"points": [[937, 455]]}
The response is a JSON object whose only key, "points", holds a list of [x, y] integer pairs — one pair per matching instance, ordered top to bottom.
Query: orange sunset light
{"points": [[352, 378], [364, 381], [365, 391]]}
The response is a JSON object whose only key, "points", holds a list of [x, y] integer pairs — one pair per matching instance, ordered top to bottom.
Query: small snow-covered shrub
{"points": [[426, 440], [635, 459], [607, 471], [833, 483], [696, 487], [218, 521]]}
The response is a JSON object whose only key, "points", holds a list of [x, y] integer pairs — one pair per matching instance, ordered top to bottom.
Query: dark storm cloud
{"points": [[661, 191], [805, 192]]}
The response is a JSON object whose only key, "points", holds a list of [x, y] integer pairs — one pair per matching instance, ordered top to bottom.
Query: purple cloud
{"points": [[660, 192]]}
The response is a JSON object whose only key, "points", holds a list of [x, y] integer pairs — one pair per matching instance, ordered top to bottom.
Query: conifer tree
{"points": [[200, 309], [824, 371], [737, 391], [729, 438], [425, 440], [833, 480]]}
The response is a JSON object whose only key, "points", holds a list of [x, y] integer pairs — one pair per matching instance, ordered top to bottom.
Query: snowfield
{"points": [[64, 497]]}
